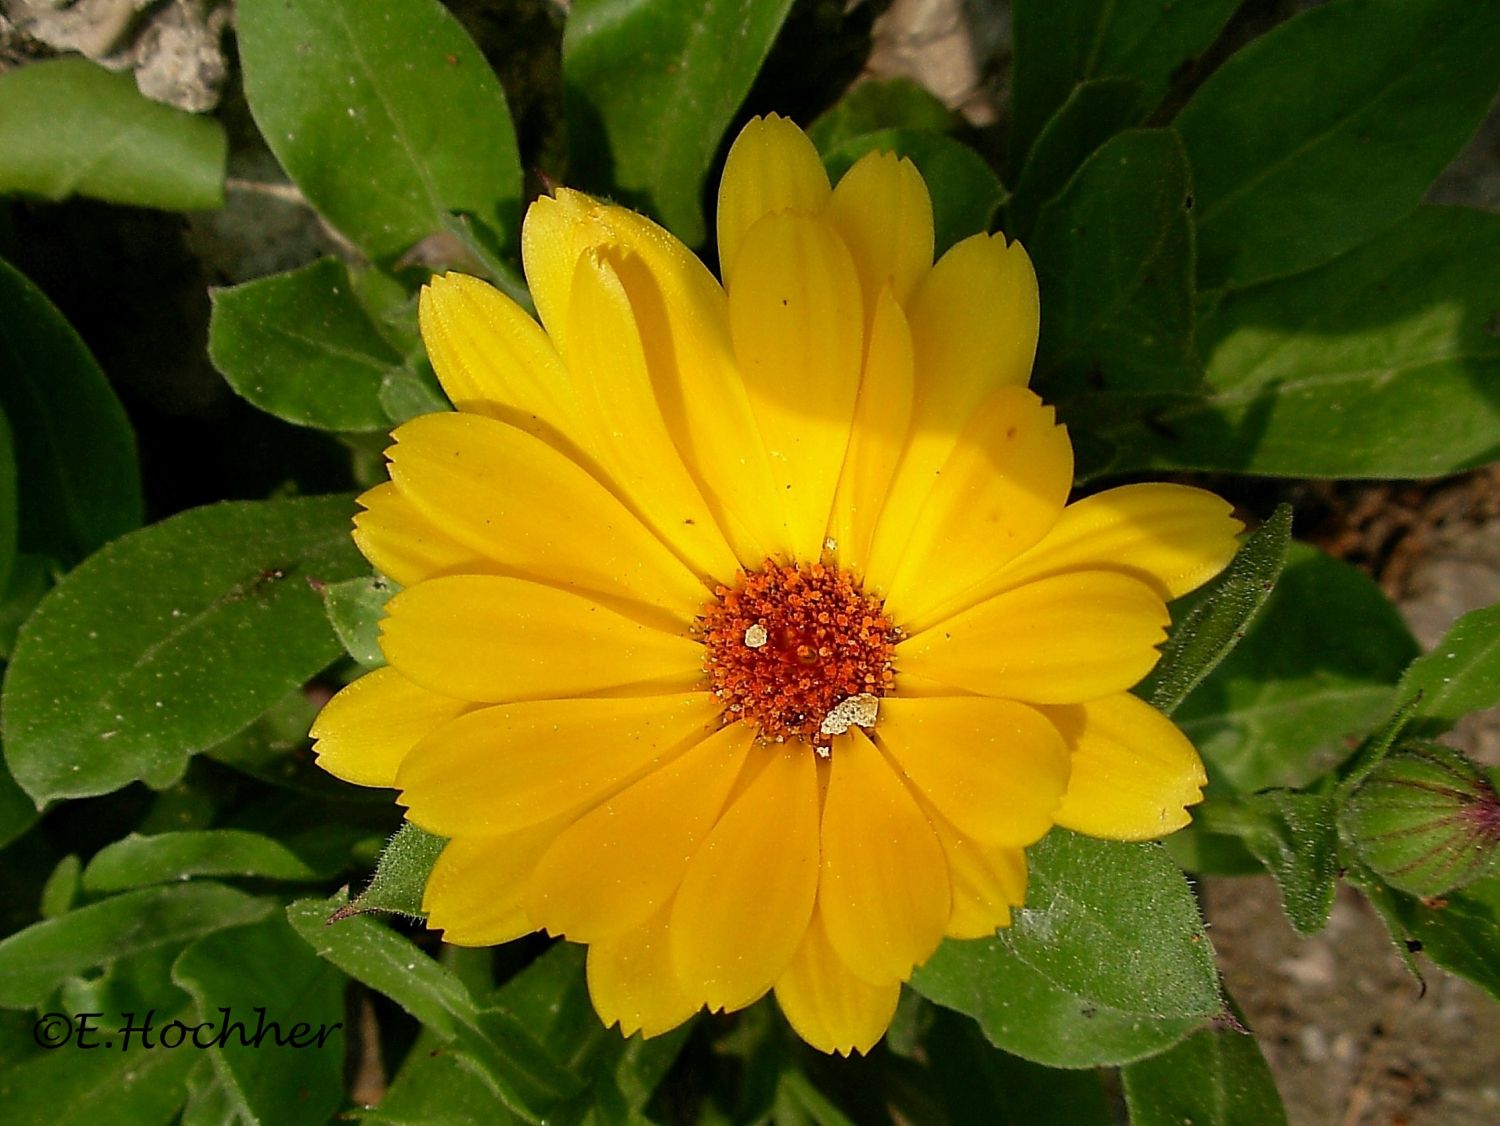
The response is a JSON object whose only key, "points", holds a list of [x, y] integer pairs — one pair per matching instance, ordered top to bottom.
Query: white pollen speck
{"points": [[830, 544], [756, 636], [858, 710], [824, 752]]}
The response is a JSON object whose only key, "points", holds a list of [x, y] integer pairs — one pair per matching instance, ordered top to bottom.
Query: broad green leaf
{"points": [[1060, 43], [651, 87], [869, 107], [1094, 112], [385, 115], [69, 127], [1328, 129], [965, 192], [1114, 256], [301, 346], [1379, 364], [405, 394], [74, 449], [9, 511], [30, 578], [355, 608], [1216, 620], [170, 640], [1318, 667], [1460, 675], [275, 749], [17, 812], [1296, 837], [139, 861], [401, 875], [61, 889], [1117, 924], [1460, 932], [35, 961], [256, 975], [1024, 1013], [1216, 1077], [438, 1086], [68, 1087], [209, 1102]]}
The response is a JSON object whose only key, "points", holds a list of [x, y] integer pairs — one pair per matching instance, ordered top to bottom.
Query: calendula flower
{"points": [[745, 635]]}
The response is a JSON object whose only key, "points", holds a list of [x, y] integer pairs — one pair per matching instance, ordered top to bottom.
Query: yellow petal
{"points": [[771, 166], [882, 209], [794, 313], [684, 327], [491, 357], [881, 417], [629, 435], [999, 492], [516, 500], [1174, 537], [406, 546], [495, 639], [1058, 640], [364, 732], [994, 768], [501, 769], [1133, 774], [614, 867], [988, 880], [884, 888], [474, 892], [748, 893], [633, 983], [827, 1004]]}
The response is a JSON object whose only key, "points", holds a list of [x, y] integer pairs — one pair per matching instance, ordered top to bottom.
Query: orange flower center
{"points": [[801, 652]]}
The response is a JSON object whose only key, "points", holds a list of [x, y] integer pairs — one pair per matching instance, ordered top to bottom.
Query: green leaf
{"points": [[1060, 43], [651, 87], [869, 107], [1093, 113], [385, 115], [68, 127], [1329, 128], [965, 192], [1114, 257], [301, 346], [1382, 363], [405, 394], [74, 450], [9, 502], [30, 578], [355, 608], [1216, 620], [170, 640], [1318, 667], [1460, 675], [17, 812], [1296, 837], [139, 861], [401, 875], [61, 889], [1460, 932], [35, 961], [256, 975], [1216, 1077], [68, 1087]]}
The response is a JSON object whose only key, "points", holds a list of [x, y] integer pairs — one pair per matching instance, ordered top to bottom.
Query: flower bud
{"points": [[1426, 819]]}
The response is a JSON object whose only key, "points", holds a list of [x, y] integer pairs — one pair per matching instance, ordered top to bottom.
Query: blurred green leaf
{"points": [[1061, 43], [651, 87], [876, 105], [1093, 113], [385, 115], [69, 127], [1327, 129], [965, 192], [1114, 255], [300, 346], [1383, 363], [74, 449], [9, 511], [30, 578], [355, 608], [1215, 620], [170, 640], [1318, 668], [1460, 675], [276, 750], [139, 861], [401, 874], [61, 889], [35, 961], [265, 971], [1216, 1077], [67, 1087], [209, 1102]]}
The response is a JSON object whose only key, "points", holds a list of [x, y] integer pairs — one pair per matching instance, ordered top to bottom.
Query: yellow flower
{"points": [[745, 636]]}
